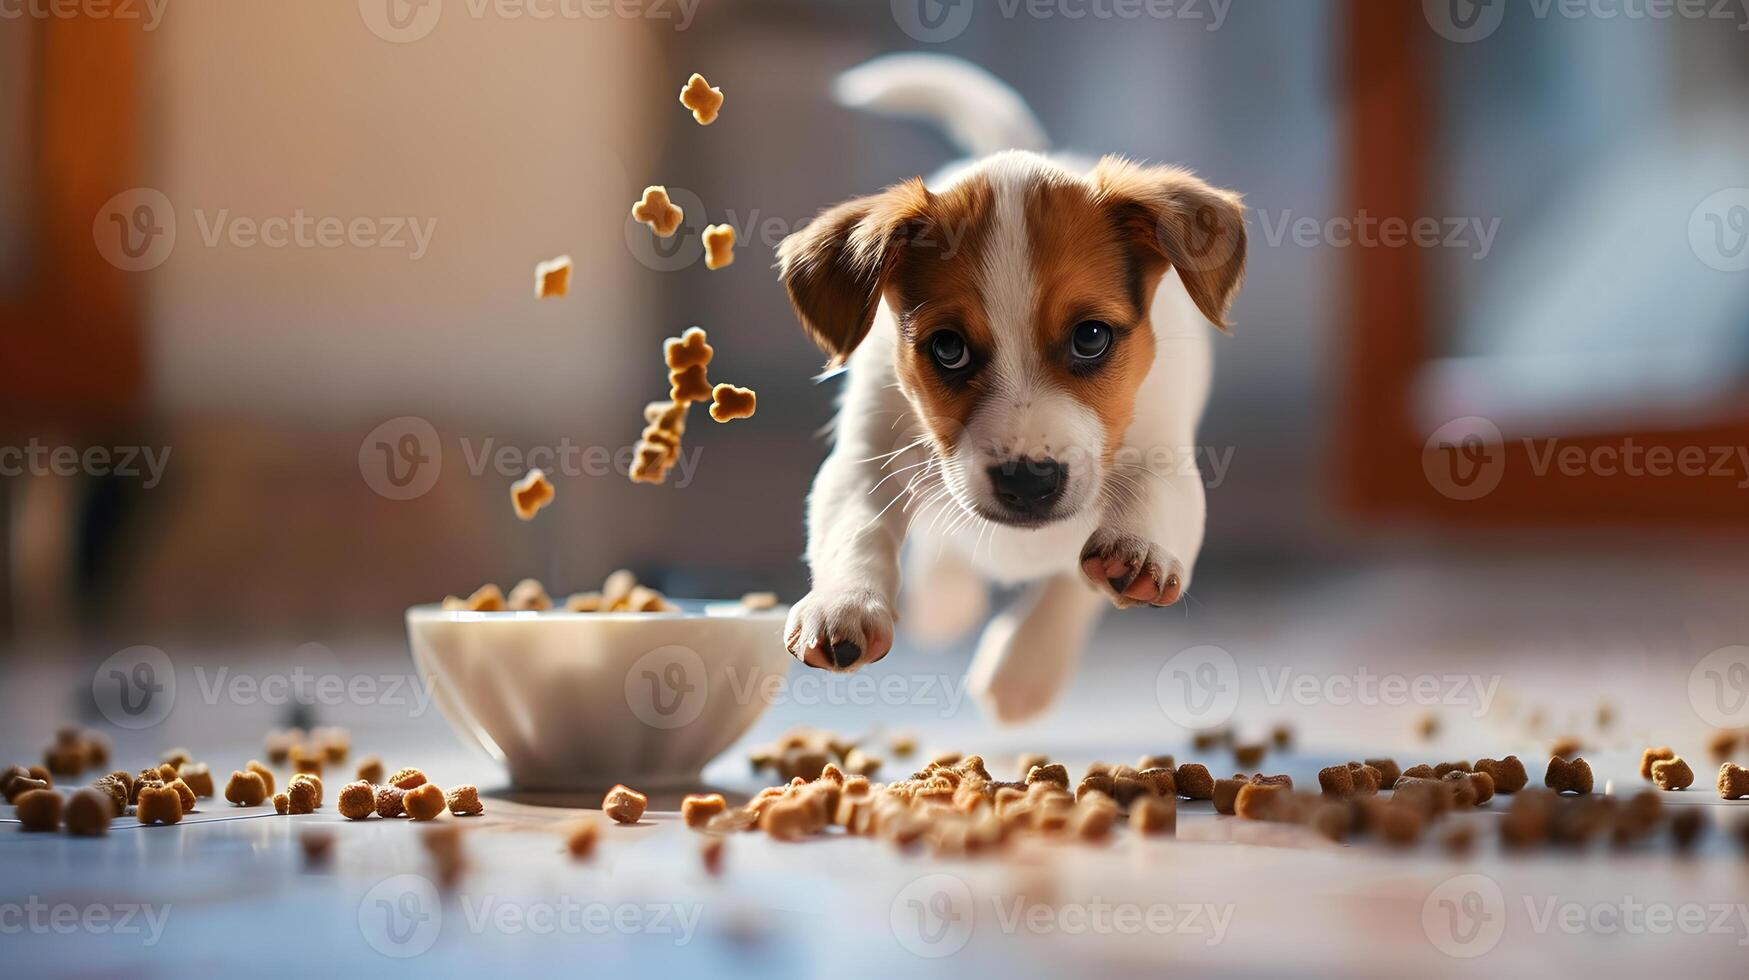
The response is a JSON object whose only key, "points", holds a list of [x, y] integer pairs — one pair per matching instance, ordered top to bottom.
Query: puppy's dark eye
{"points": [[1091, 340], [950, 351]]}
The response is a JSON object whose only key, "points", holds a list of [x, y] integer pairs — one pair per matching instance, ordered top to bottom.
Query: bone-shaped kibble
{"points": [[704, 101], [655, 210], [719, 246], [552, 277], [686, 350], [689, 385], [729, 403], [667, 416], [650, 464], [529, 494], [1652, 755], [1508, 773], [1672, 774], [1568, 776], [1733, 781]]}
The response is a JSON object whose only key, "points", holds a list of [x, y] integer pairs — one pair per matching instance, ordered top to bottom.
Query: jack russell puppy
{"points": [[1027, 343]]}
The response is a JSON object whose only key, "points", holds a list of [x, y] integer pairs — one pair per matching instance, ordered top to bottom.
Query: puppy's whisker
{"points": [[897, 452], [896, 472]]}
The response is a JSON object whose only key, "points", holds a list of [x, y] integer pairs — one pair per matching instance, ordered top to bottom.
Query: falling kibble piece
{"points": [[704, 101], [657, 212], [719, 246], [552, 277], [690, 349], [691, 384], [729, 402], [529, 494], [1427, 726], [1722, 744], [1566, 747], [1250, 755], [370, 769], [624, 804]]}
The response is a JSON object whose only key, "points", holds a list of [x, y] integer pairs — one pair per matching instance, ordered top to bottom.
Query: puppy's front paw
{"points": [[1130, 569], [840, 630]]}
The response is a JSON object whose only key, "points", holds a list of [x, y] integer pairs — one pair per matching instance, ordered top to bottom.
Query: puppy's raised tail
{"points": [[979, 112]]}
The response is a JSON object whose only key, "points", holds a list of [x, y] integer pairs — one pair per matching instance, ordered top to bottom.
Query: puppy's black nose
{"points": [[1028, 487]]}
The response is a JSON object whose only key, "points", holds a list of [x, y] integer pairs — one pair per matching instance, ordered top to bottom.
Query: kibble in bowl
{"points": [[583, 700]]}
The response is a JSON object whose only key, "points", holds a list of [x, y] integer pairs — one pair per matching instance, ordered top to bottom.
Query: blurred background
{"points": [[248, 249]]}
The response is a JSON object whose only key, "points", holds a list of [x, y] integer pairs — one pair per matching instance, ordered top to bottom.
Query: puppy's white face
{"points": [[1021, 293]]}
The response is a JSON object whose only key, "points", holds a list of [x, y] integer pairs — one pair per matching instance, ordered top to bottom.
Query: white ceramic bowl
{"points": [[573, 701]]}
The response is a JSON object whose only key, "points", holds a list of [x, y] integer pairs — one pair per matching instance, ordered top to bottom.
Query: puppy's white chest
{"points": [[1010, 556]]}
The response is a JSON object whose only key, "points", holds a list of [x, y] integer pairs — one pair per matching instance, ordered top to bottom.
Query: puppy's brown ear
{"points": [[1172, 214], [836, 266]]}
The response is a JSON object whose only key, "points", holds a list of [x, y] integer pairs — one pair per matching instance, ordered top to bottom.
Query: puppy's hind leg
{"points": [[943, 597], [1028, 651]]}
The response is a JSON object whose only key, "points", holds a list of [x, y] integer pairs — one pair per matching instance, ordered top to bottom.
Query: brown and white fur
{"points": [[1011, 251]]}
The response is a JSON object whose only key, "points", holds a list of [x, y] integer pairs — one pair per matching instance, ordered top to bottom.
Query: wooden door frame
{"points": [[76, 355], [1384, 459]]}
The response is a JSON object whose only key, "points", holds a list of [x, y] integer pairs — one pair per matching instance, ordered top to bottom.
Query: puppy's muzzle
{"points": [[1028, 489]]}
